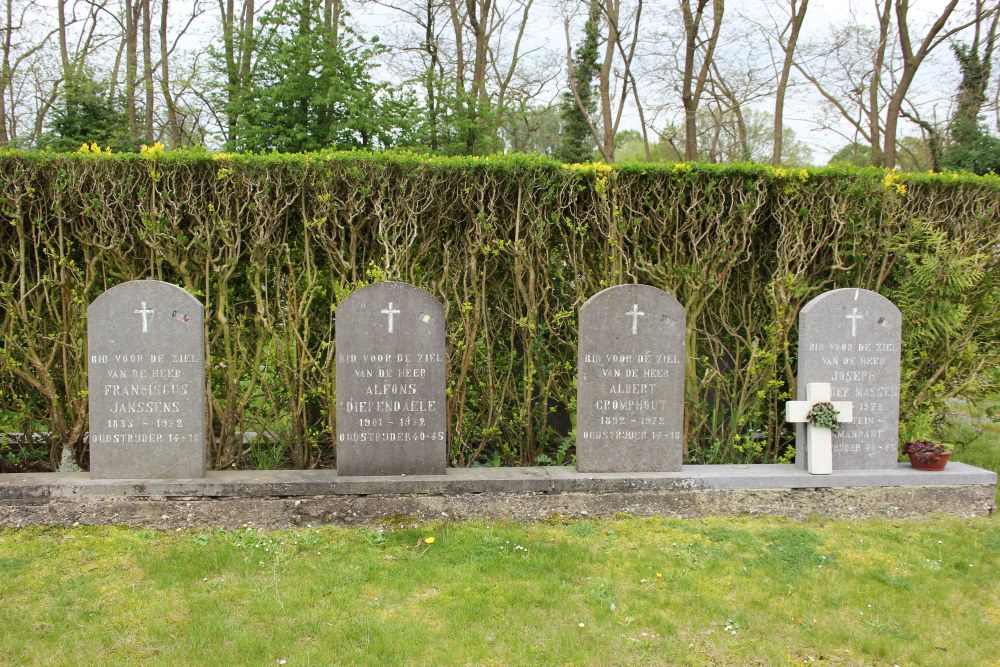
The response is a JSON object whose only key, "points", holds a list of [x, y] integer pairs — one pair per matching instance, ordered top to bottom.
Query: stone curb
{"points": [[457, 481], [289, 498]]}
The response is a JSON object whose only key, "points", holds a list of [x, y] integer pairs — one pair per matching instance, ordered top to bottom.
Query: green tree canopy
{"points": [[312, 88], [85, 115], [577, 141], [972, 147], [854, 154]]}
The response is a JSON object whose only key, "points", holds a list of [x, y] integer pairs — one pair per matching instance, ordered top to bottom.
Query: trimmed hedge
{"points": [[513, 246]]}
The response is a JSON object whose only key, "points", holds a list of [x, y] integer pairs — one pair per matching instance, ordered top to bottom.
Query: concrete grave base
{"points": [[288, 498]]}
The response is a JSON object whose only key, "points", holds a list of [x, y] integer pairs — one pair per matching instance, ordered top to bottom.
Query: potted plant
{"points": [[927, 455]]}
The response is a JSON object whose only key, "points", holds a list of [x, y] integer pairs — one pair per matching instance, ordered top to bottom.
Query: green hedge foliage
{"points": [[512, 246]]}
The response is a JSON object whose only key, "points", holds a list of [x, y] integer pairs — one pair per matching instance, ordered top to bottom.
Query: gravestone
{"points": [[851, 339], [146, 349], [630, 387], [391, 411]]}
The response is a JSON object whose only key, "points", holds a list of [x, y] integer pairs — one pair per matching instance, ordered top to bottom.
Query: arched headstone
{"points": [[851, 339], [146, 353], [630, 390], [391, 411]]}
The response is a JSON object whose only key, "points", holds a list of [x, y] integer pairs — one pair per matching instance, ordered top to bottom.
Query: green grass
{"points": [[975, 432], [746, 591]]}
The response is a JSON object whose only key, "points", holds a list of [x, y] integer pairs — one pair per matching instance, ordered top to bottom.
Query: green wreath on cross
{"points": [[824, 415]]}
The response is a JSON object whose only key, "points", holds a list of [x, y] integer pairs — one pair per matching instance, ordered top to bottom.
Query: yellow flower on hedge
{"points": [[92, 148], [152, 151], [589, 167], [602, 167], [891, 182], [429, 540]]}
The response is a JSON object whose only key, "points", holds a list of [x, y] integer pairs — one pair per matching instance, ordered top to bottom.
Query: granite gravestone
{"points": [[850, 338], [146, 348], [630, 391], [391, 411]]}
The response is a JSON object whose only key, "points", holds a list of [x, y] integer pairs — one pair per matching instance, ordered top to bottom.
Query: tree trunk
{"points": [[132, 9], [478, 15], [479, 24], [795, 24], [63, 39], [237, 42], [911, 61], [975, 63], [147, 66], [5, 75], [430, 85], [875, 85], [691, 86], [173, 123], [4, 136], [607, 144]]}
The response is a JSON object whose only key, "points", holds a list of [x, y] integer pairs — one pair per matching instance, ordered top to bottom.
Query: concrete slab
{"points": [[777, 476], [548, 480], [23, 486], [897, 503]]}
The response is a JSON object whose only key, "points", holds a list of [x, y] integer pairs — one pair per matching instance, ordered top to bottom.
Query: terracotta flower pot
{"points": [[934, 464]]}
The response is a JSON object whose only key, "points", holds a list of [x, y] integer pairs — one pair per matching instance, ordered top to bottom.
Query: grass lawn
{"points": [[976, 435], [630, 591], [745, 591]]}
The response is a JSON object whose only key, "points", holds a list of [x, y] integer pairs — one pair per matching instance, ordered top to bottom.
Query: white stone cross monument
{"points": [[819, 440]]}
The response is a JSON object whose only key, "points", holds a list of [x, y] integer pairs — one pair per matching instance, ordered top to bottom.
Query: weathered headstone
{"points": [[850, 338], [146, 348], [630, 388], [391, 412]]}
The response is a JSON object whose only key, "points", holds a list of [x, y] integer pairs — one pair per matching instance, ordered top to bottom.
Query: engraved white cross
{"points": [[145, 311], [390, 311], [636, 314], [854, 317], [819, 440]]}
